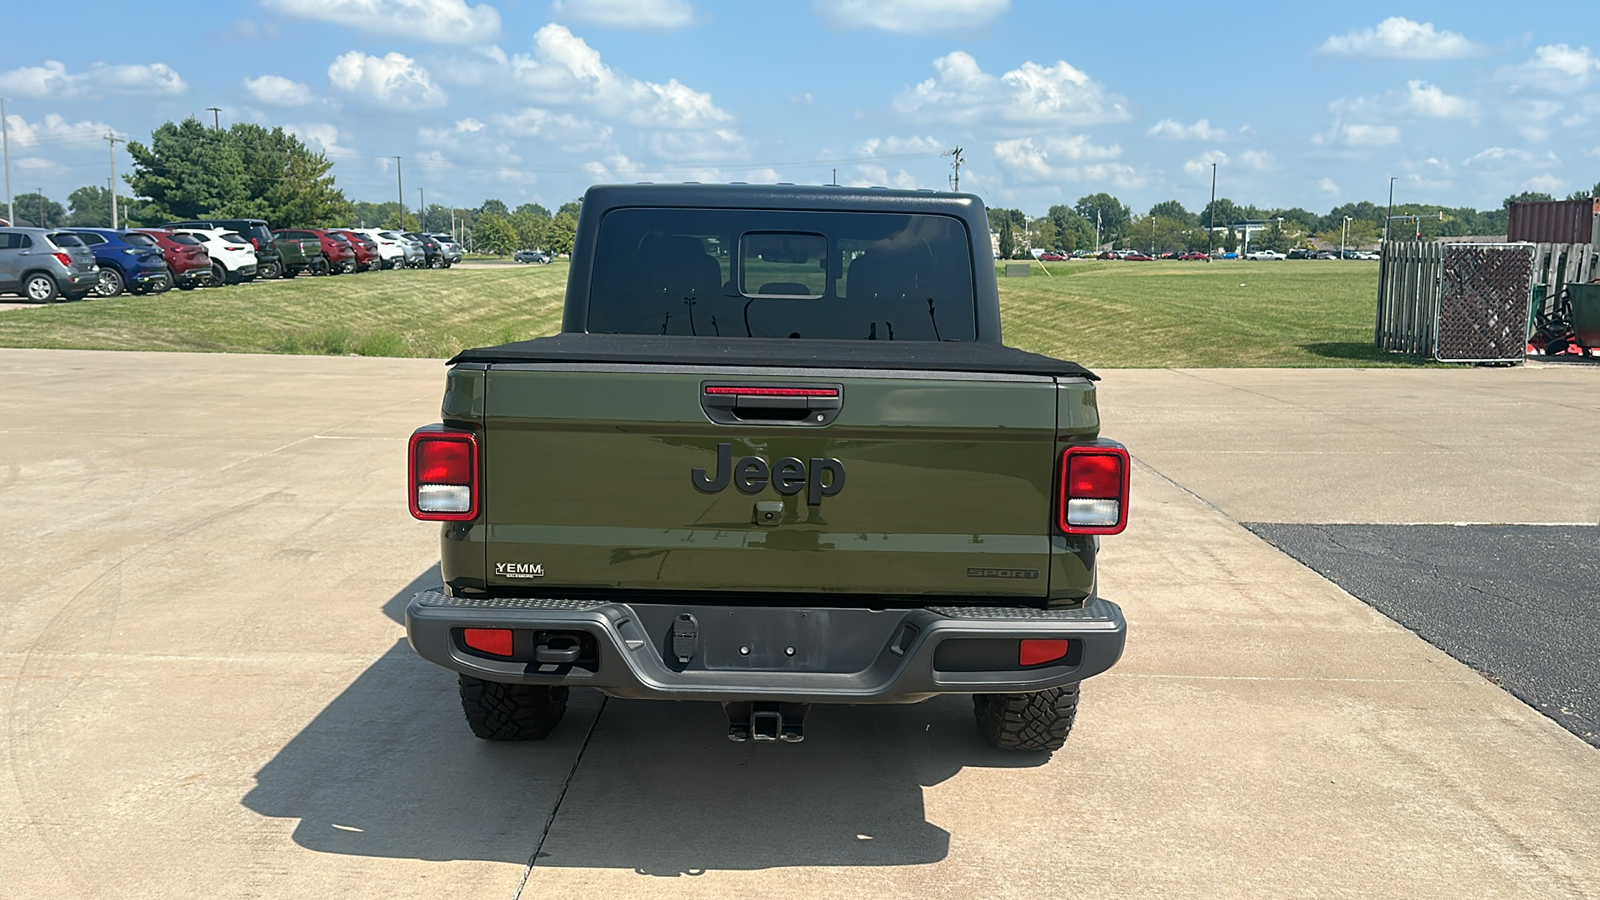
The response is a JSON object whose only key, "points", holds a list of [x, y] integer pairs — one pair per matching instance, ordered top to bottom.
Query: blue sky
{"points": [[1300, 105]]}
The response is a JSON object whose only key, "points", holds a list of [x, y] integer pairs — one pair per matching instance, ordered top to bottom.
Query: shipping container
{"points": [[1554, 221]]}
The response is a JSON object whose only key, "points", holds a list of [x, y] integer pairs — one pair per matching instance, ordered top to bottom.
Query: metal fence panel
{"points": [[1484, 290]]}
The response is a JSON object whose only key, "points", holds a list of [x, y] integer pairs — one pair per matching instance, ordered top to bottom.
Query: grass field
{"points": [[1108, 314]]}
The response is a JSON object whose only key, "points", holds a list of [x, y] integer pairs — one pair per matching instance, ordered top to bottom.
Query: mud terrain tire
{"points": [[511, 712], [1033, 722]]}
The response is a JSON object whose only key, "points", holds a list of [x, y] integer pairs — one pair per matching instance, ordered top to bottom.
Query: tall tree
{"points": [[189, 170], [285, 183], [1526, 197], [91, 207], [494, 208], [571, 208], [39, 209], [1172, 209], [535, 210], [1113, 215], [530, 228], [495, 234], [559, 235], [1008, 238]]}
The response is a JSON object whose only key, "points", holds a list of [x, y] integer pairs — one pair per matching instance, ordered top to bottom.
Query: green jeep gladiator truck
{"points": [[777, 456]]}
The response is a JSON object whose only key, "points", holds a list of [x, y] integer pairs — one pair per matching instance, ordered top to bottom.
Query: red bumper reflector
{"points": [[496, 641], [1035, 651]]}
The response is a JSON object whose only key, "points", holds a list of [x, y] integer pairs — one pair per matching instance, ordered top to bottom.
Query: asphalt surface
{"points": [[1520, 604]]}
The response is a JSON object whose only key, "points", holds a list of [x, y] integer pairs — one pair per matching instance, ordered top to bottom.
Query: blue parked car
{"points": [[128, 260]]}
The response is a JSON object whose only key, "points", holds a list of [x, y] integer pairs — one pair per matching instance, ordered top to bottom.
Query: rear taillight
{"points": [[64, 259], [443, 476], [1094, 490]]}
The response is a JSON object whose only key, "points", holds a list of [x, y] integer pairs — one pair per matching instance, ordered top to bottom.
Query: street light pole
{"points": [[216, 117], [112, 140], [5, 141], [401, 189], [422, 207], [1391, 209], [1211, 212], [1344, 232]]}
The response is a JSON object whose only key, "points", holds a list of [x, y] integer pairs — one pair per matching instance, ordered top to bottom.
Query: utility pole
{"points": [[216, 117], [5, 141], [111, 141], [835, 177], [955, 180], [401, 188], [422, 207], [41, 209], [1391, 209], [1211, 212], [1344, 234]]}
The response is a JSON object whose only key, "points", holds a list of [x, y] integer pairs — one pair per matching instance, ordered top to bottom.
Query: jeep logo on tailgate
{"points": [[820, 478]]}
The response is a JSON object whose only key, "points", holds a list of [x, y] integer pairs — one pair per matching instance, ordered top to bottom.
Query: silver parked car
{"points": [[448, 246], [42, 265]]}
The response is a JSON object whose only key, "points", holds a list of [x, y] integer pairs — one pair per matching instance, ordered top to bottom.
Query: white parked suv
{"points": [[391, 245], [233, 257]]}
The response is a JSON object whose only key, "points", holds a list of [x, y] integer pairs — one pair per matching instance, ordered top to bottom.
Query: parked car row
{"points": [[70, 263]]}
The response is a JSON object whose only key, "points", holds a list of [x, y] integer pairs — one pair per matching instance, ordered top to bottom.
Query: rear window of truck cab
{"points": [[785, 274]]}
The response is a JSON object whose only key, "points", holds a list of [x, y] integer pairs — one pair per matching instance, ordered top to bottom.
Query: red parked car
{"points": [[366, 249], [337, 255], [1195, 255], [1052, 257], [186, 258]]}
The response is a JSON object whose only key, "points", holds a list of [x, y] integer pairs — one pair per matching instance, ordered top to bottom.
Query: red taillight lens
{"points": [[64, 259], [444, 476], [1094, 490], [496, 641], [1037, 651]]}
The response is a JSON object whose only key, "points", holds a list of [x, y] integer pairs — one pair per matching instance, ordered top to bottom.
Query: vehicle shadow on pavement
{"points": [[389, 769], [663, 792]]}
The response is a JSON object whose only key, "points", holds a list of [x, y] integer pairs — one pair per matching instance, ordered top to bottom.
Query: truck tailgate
{"points": [[918, 483]]}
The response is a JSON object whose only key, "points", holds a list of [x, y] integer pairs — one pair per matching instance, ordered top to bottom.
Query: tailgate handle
{"points": [[804, 404]]}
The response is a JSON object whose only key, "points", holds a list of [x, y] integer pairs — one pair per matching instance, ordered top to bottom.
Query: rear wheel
{"points": [[271, 269], [219, 276], [110, 283], [40, 288], [511, 712], [1037, 721]]}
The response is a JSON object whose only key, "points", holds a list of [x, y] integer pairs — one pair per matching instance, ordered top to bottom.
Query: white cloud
{"points": [[650, 15], [908, 16], [439, 21], [1401, 38], [564, 68], [1557, 68], [52, 81], [392, 81], [275, 90], [1030, 94], [803, 99], [1429, 102], [53, 130], [564, 130], [1173, 130], [1359, 135], [322, 136], [448, 136], [702, 144], [919, 145], [1498, 154], [1054, 158], [1258, 160], [28, 163], [1202, 164], [868, 175], [1545, 182], [1328, 186]]}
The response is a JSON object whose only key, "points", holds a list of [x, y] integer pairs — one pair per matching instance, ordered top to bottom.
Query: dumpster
{"points": [[1585, 315]]}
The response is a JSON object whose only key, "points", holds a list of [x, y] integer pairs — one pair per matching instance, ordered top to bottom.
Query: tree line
{"points": [[188, 170], [1099, 220]]}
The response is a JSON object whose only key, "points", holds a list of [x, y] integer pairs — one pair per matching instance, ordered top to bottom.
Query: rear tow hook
{"points": [[766, 721]]}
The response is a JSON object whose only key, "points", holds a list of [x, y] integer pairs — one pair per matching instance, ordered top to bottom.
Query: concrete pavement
{"points": [[207, 693]]}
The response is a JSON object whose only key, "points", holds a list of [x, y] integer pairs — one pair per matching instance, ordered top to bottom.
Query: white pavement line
{"points": [[1134, 676], [533, 859]]}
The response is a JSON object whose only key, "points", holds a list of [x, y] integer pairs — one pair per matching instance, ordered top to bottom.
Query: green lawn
{"points": [[1106, 314]]}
